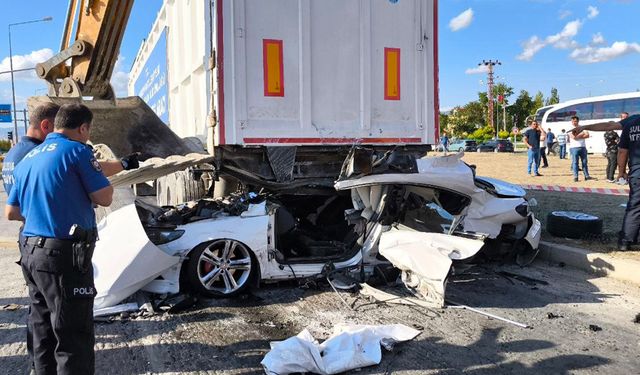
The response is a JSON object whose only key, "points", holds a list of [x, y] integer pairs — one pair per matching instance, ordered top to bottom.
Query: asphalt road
{"points": [[232, 336]]}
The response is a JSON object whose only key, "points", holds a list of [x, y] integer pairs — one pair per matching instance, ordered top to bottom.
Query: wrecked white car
{"points": [[420, 219]]}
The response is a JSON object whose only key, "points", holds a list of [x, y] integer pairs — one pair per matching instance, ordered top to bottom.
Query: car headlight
{"points": [[162, 236]]}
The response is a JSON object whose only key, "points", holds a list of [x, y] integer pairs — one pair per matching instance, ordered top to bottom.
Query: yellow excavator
{"points": [[81, 72]]}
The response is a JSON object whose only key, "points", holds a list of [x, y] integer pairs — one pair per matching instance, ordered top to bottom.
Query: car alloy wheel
{"points": [[221, 268]]}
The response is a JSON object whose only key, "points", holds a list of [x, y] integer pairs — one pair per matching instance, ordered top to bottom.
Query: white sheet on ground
{"points": [[425, 258], [124, 259], [350, 347]]}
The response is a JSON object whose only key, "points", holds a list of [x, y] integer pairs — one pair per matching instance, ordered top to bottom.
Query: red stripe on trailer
{"points": [[220, 66], [330, 140], [573, 189]]}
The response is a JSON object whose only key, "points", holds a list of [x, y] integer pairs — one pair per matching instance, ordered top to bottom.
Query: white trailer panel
{"points": [[300, 72]]}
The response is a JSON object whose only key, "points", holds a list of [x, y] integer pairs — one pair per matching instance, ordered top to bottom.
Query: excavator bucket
{"points": [[127, 126]]}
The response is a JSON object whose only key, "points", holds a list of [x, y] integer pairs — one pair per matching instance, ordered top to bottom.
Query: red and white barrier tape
{"points": [[570, 189]]}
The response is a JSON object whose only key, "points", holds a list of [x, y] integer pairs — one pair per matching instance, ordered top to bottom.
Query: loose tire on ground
{"points": [[572, 224]]}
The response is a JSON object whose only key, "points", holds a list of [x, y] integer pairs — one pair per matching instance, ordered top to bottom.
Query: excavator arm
{"points": [[99, 29], [83, 69]]}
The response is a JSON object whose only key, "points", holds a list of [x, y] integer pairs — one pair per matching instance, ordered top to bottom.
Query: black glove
{"points": [[130, 161]]}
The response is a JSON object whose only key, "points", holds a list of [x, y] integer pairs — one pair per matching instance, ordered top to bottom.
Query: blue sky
{"points": [[581, 47]]}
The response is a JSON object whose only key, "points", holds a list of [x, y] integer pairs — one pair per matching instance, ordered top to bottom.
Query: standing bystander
{"points": [[531, 138], [551, 138], [562, 144], [543, 148], [578, 150]]}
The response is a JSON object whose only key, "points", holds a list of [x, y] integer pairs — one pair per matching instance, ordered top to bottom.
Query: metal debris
{"points": [[11, 307], [493, 316], [553, 316], [595, 328]]}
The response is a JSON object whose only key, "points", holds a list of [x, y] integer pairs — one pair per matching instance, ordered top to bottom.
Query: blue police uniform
{"points": [[630, 140], [13, 157], [52, 186]]}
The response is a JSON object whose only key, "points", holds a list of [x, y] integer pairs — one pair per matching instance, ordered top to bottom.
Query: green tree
{"points": [[554, 98], [538, 102], [523, 107], [5, 145]]}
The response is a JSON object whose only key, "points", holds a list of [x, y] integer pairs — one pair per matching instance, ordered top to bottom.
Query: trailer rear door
{"points": [[326, 72]]}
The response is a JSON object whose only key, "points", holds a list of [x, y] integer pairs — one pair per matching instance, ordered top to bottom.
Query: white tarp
{"points": [[128, 249], [425, 258], [350, 347]]}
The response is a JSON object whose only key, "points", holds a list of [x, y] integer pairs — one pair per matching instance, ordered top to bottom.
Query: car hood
{"points": [[444, 172], [500, 187]]}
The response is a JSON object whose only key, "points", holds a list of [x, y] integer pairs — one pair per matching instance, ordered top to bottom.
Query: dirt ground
{"points": [[512, 167], [232, 336]]}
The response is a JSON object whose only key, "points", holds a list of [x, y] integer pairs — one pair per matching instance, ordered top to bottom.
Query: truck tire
{"points": [[179, 187], [572, 224]]}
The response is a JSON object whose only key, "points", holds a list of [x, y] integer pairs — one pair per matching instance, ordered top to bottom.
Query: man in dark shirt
{"points": [[40, 124], [531, 138], [551, 138], [628, 151]]}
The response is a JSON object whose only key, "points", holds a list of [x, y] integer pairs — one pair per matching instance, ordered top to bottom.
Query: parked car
{"points": [[460, 145], [496, 145], [382, 210]]}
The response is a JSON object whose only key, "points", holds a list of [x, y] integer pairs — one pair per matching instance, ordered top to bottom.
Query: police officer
{"points": [[40, 124], [628, 152], [56, 185]]}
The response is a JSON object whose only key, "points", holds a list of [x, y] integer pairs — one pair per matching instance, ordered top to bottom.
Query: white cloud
{"points": [[593, 12], [564, 14], [462, 20], [564, 39], [597, 39], [561, 40], [530, 48], [590, 55], [24, 62], [480, 69], [120, 78]]}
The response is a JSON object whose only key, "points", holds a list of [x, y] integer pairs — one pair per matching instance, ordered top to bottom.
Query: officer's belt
{"points": [[51, 243]]}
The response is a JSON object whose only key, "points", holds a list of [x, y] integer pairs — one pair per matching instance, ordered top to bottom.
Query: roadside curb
{"points": [[599, 264]]}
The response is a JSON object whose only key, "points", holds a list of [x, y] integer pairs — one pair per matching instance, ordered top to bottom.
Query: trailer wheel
{"points": [[573, 224]]}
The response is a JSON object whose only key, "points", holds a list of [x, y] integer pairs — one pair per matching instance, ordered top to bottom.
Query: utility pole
{"points": [[490, 64]]}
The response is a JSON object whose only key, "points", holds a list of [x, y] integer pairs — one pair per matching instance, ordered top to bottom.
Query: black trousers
{"points": [[543, 156], [612, 164], [631, 221], [61, 311]]}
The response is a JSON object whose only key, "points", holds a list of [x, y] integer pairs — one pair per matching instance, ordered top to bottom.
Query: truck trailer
{"points": [[278, 91]]}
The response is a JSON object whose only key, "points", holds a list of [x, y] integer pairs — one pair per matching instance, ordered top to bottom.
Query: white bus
{"points": [[590, 110]]}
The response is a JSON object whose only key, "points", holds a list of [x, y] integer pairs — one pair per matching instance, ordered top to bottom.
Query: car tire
{"points": [[461, 149], [571, 224], [221, 268]]}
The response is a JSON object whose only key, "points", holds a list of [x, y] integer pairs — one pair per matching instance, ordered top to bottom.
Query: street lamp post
{"points": [[13, 88]]}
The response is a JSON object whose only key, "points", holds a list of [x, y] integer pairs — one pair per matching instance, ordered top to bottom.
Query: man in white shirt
{"points": [[578, 149]]}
